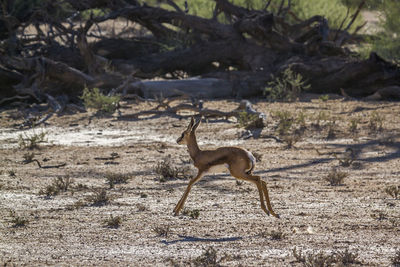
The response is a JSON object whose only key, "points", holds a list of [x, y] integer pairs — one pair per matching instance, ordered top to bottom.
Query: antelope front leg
{"points": [[179, 206]]}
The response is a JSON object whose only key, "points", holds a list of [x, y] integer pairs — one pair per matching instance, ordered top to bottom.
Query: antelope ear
{"points": [[190, 124], [196, 125]]}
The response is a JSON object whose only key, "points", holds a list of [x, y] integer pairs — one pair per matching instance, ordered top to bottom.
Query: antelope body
{"points": [[239, 162]]}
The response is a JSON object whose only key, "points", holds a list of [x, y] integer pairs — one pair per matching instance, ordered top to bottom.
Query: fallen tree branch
{"points": [[244, 106], [46, 167]]}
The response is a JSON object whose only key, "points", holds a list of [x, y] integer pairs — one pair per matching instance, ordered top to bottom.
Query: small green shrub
{"points": [[333, 10], [387, 42], [287, 87], [93, 98], [324, 98], [320, 117], [301, 119], [248, 120], [285, 122], [376, 122], [353, 126], [286, 128], [332, 129], [31, 141], [257, 155], [28, 157], [348, 158], [166, 170], [11, 173], [336, 177], [116, 178], [61, 184], [393, 191], [99, 198], [78, 204], [141, 207], [194, 214], [379, 215], [18, 221], [113, 222], [162, 230], [273, 235], [276, 235], [208, 258], [313, 258], [346, 258], [320, 259], [396, 259]]}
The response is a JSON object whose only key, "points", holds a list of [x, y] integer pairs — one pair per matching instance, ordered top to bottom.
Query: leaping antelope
{"points": [[238, 161]]}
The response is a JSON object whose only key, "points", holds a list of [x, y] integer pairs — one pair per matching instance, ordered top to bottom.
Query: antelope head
{"points": [[189, 134]]}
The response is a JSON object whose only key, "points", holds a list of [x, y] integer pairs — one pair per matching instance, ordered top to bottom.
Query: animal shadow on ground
{"points": [[184, 238]]}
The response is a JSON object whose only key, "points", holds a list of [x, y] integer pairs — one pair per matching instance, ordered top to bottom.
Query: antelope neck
{"points": [[193, 147]]}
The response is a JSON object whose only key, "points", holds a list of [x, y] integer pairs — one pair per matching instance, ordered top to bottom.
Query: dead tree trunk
{"points": [[242, 52]]}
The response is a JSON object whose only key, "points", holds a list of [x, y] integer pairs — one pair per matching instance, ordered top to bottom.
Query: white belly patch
{"points": [[252, 159], [218, 168]]}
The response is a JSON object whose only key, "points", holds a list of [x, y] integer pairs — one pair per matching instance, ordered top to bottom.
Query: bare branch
{"points": [[267, 5], [175, 6], [280, 7], [355, 15], [341, 24]]}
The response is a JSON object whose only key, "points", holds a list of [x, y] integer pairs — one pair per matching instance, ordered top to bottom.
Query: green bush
{"points": [[333, 10], [388, 43], [287, 87], [93, 98], [249, 120], [31, 141]]}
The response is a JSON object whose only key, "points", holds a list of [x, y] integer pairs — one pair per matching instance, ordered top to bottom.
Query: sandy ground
{"points": [[65, 229]]}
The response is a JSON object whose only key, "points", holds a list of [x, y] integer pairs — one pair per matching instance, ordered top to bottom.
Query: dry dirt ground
{"points": [[317, 219]]}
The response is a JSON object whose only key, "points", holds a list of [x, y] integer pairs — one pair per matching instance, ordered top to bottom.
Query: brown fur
{"points": [[240, 165]]}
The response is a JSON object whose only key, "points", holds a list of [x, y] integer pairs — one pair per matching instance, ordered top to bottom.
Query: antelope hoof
{"points": [[277, 216]]}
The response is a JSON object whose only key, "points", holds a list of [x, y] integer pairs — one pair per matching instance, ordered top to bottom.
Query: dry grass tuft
{"points": [[336, 177], [116, 178], [393, 191], [99, 198], [113, 222]]}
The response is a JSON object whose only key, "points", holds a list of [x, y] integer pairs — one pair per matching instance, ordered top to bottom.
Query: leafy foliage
{"points": [[333, 10], [388, 43], [287, 87], [93, 98], [248, 120], [376, 122], [290, 128], [31, 141], [166, 170], [336, 177], [116, 178], [61, 184], [393, 191], [99, 198], [194, 214], [18, 221], [113, 222], [163, 230], [208, 258], [315, 258], [396, 259]]}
